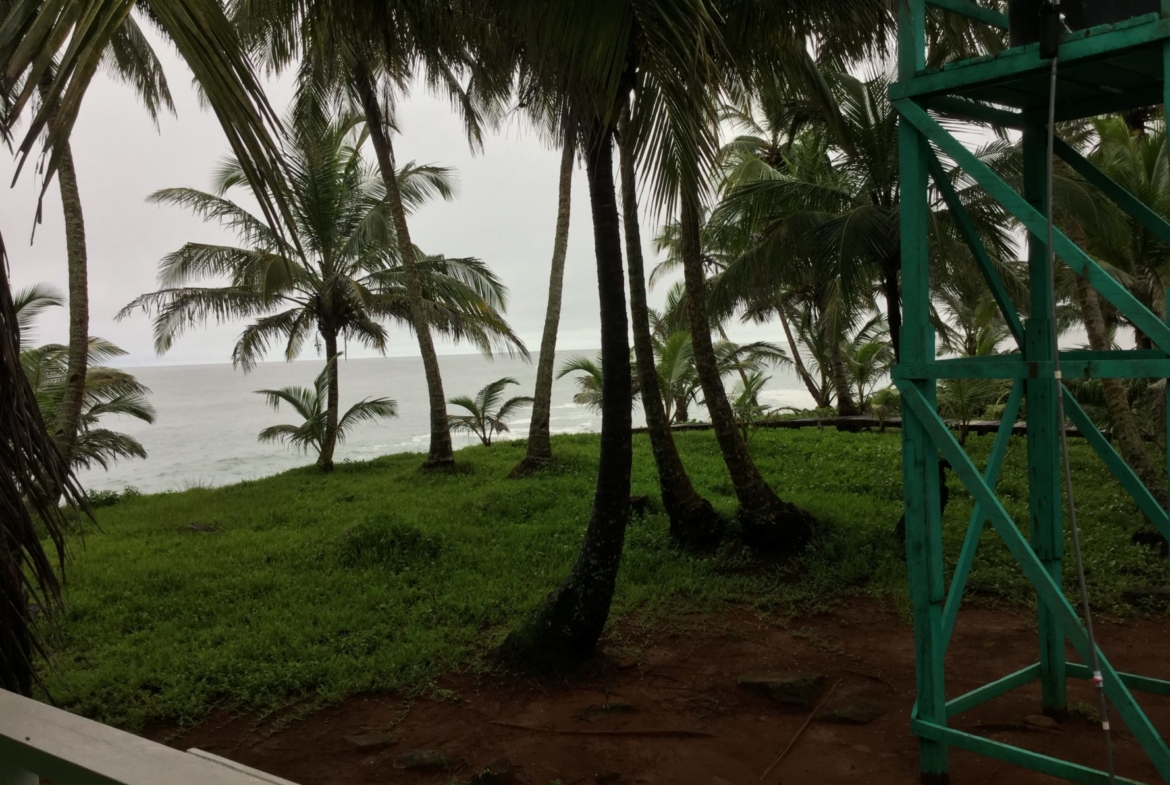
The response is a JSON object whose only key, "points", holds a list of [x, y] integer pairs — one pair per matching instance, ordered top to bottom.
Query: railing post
{"points": [[10, 775]]}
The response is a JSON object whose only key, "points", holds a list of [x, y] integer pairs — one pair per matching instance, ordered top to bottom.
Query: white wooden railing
{"points": [[37, 740]]}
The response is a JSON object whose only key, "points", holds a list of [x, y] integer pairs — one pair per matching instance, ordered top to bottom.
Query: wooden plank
{"points": [[972, 11], [1026, 60], [1129, 203], [975, 243], [1081, 263], [1013, 366], [1116, 464], [920, 466], [975, 525], [1050, 592], [1078, 670], [993, 690], [69, 749], [1054, 767]]}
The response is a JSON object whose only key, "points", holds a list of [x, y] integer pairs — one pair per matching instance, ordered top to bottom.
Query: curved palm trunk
{"points": [[78, 352], [798, 361], [846, 406], [1125, 427], [539, 452], [441, 453], [325, 459], [693, 521], [768, 522], [565, 629]]}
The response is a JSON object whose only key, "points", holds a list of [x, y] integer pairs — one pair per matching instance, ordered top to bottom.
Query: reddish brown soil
{"points": [[686, 680]]}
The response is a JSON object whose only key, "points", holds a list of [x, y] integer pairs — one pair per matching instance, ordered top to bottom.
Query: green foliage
{"points": [[108, 391], [310, 404], [487, 413], [295, 595]]}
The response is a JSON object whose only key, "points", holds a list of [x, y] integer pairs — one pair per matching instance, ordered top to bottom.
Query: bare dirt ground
{"points": [[598, 728]]}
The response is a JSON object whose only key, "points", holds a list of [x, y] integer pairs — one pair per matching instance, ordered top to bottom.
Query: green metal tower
{"points": [[1103, 69]]}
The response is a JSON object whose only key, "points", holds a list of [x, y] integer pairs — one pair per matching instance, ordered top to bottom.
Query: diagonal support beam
{"points": [[972, 11], [1118, 195], [975, 243], [1080, 262], [1116, 464], [975, 527], [1049, 591]]}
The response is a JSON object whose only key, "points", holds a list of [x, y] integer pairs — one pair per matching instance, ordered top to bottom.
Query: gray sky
{"points": [[505, 214]]}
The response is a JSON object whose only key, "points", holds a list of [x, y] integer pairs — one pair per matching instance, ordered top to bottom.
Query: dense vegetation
{"points": [[310, 586]]}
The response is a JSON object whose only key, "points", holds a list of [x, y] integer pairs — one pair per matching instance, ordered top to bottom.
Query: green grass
{"points": [[382, 578]]}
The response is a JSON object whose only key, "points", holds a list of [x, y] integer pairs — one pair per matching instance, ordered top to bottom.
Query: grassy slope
{"points": [[379, 577]]}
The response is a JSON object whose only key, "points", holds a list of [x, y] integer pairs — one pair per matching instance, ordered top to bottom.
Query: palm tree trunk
{"points": [[893, 295], [723, 337], [78, 352], [798, 361], [846, 406], [1125, 427], [539, 451], [441, 453], [325, 459], [693, 521], [768, 521], [565, 629]]}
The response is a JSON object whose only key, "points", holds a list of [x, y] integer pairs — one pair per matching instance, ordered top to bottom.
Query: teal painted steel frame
{"points": [[925, 434]]}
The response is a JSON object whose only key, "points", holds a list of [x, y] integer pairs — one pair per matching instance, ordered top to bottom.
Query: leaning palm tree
{"points": [[32, 35], [349, 281], [487, 413], [317, 432], [539, 451], [693, 521]]}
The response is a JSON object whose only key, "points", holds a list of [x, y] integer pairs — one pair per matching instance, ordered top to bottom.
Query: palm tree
{"points": [[31, 37], [366, 53], [130, 58], [588, 58], [1137, 162], [351, 278], [870, 356], [591, 382], [106, 391], [486, 414], [318, 431], [539, 451], [693, 521]]}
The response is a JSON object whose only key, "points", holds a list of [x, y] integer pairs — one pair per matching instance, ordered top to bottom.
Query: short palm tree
{"points": [[348, 282], [106, 391], [487, 413], [315, 432]]}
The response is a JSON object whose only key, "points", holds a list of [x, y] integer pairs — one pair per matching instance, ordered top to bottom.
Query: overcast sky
{"points": [[505, 214]]}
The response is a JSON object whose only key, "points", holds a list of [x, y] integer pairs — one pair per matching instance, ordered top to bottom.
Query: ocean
{"points": [[209, 416]]}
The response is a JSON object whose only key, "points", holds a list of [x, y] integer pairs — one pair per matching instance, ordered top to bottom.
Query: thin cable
{"points": [[1050, 261]]}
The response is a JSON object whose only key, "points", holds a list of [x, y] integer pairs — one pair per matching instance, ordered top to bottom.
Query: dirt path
{"points": [[687, 680]]}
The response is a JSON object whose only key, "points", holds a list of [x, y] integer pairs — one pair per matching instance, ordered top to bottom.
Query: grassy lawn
{"points": [[382, 578]]}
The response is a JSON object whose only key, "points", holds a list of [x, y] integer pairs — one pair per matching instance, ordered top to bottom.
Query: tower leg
{"points": [[1044, 456], [920, 459]]}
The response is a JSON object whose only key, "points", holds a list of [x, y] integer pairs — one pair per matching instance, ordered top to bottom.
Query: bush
{"points": [[384, 543]]}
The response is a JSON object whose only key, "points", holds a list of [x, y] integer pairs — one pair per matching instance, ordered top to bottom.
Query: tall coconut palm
{"points": [[59, 46], [368, 53], [592, 57], [130, 58], [350, 279], [539, 451], [693, 521]]}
